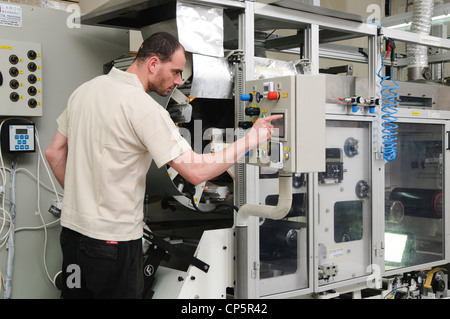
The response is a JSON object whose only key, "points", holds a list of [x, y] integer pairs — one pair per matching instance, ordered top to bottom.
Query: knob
{"points": [[31, 54], [13, 59], [32, 66], [14, 71], [32, 78], [14, 84], [32, 90], [14, 97], [32, 103]]}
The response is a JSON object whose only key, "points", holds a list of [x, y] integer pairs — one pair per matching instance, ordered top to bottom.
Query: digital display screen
{"points": [[279, 126], [21, 131]]}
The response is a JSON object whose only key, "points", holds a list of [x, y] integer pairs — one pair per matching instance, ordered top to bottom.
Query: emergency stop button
{"points": [[273, 96]]}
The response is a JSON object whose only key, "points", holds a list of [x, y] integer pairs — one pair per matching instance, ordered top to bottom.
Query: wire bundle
{"points": [[7, 218]]}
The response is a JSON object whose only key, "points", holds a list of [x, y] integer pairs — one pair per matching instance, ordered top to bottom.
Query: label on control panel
{"points": [[10, 15]]}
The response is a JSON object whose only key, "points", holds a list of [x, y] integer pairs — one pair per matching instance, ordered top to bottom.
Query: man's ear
{"points": [[152, 64]]}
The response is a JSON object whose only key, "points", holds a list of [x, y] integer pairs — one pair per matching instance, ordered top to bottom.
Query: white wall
{"points": [[70, 57]]}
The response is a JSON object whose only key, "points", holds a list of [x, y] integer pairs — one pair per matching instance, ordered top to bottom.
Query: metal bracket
{"points": [[158, 241]]}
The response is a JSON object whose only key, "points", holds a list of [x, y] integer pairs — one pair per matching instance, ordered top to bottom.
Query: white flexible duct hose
{"points": [[421, 24]]}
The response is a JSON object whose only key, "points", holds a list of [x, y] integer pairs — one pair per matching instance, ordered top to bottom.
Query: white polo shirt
{"points": [[114, 130]]}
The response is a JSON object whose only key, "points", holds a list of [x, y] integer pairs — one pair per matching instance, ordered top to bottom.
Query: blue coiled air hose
{"points": [[389, 102]]}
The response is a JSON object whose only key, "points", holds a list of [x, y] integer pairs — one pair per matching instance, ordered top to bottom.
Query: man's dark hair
{"points": [[161, 44]]}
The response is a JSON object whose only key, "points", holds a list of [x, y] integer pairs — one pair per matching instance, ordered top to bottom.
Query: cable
{"points": [[21, 169], [191, 191], [213, 210], [9, 217], [11, 246], [52, 280], [391, 294]]}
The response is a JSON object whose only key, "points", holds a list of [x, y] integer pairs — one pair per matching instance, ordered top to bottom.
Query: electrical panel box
{"points": [[20, 78], [21, 138], [298, 142]]}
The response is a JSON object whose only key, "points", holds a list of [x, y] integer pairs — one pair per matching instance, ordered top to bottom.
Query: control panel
{"points": [[20, 78], [21, 138], [298, 142]]}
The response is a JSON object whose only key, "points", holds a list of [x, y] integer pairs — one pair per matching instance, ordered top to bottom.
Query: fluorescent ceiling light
{"points": [[444, 18]]}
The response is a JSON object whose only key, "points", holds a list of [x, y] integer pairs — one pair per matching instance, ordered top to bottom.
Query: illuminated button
{"points": [[246, 97]]}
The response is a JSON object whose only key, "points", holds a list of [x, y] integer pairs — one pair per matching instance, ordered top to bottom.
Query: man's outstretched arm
{"points": [[56, 155]]}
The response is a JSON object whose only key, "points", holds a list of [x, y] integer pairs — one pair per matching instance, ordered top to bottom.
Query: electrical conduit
{"points": [[10, 262]]}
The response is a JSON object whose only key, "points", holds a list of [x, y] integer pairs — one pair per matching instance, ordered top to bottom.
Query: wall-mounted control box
{"points": [[20, 78], [21, 138]]}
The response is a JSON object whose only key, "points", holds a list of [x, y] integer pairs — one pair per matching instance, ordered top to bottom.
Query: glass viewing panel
{"points": [[348, 221], [414, 226], [283, 243]]}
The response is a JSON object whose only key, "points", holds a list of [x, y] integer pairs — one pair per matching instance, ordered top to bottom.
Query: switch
{"points": [[258, 96], [252, 111], [245, 125]]}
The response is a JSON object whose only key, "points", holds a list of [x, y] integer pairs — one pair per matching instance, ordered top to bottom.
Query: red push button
{"points": [[272, 96]]}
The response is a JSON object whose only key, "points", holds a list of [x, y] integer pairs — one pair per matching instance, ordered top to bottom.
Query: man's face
{"points": [[168, 74]]}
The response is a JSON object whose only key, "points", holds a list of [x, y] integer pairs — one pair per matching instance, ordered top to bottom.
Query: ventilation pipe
{"points": [[418, 54]]}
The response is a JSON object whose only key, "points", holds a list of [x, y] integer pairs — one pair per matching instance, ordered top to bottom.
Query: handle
{"points": [[448, 140]]}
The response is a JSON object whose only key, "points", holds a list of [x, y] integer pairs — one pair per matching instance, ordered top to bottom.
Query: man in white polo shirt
{"points": [[107, 137]]}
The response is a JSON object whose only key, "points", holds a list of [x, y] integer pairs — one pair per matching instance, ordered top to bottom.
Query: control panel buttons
{"points": [[21, 66], [246, 97], [21, 138]]}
